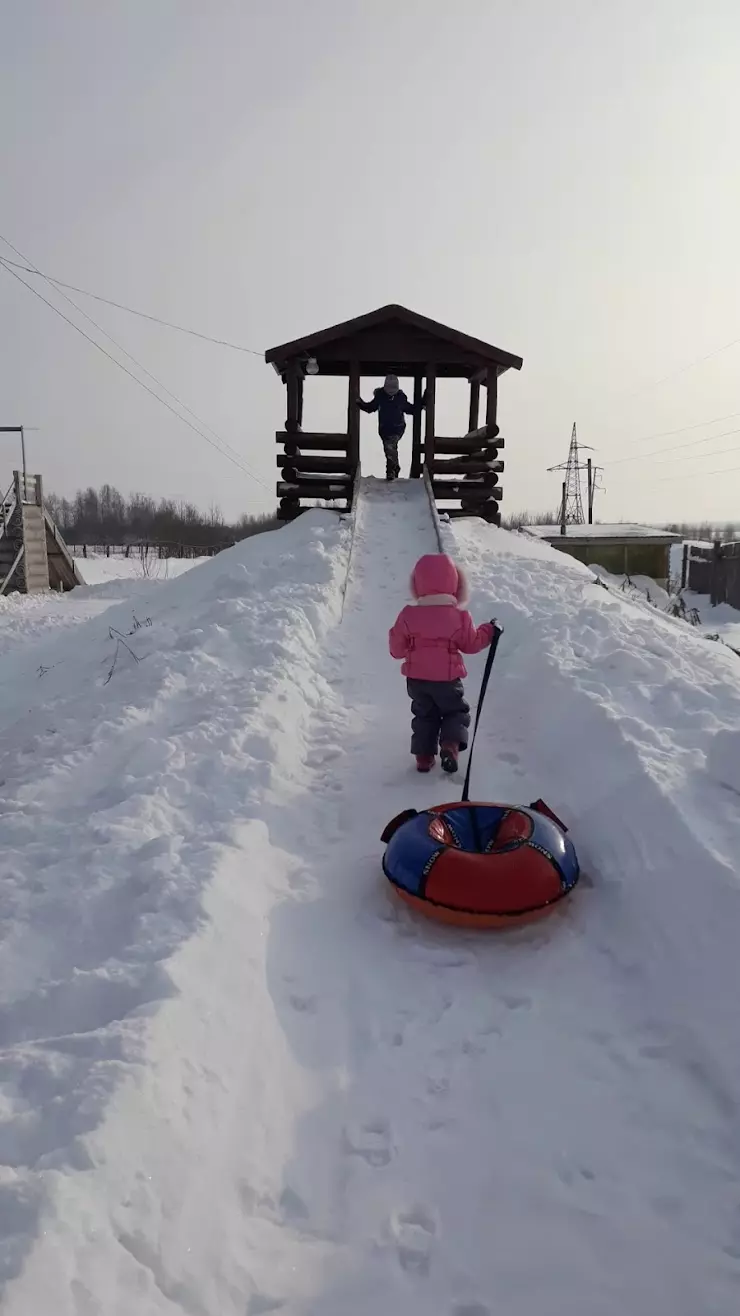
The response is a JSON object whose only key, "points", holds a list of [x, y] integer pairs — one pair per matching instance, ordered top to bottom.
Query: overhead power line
{"points": [[108, 301], [130, 373], [625, 395], [198, 419], [683, 429], [222, 443], [678, 447], [706, 456], [691, 475]]}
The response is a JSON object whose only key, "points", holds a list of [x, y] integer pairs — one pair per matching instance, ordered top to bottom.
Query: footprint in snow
{"points": [[517, 1002], [304, 1004], [372, 1141], [414, 1231]]}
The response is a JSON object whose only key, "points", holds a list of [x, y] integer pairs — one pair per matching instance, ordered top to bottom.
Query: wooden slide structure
{"points": [[33, 554]]}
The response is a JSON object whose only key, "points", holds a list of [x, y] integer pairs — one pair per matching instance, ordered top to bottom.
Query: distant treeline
{"points": [[104, 516], [705, 530]]}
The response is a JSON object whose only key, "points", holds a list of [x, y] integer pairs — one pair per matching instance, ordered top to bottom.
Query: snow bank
{"points": [[635, 587], [719, 620], [621, 709], [121, 804]]}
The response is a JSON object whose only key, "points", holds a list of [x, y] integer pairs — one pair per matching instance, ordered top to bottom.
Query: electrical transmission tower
{"points": [[570, 511]]}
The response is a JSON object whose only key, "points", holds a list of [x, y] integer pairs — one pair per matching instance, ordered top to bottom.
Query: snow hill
{"points": [[236, 1076]]}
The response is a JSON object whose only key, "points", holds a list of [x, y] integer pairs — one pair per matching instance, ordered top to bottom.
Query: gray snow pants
{"points": [[390, 447], [440, 715]]}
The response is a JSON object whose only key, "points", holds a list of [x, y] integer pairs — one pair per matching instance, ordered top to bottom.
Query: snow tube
{"points": [[480, 865]]}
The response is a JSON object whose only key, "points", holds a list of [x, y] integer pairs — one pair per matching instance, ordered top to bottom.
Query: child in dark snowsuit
{"points": [[392, 406], [431, 635]]}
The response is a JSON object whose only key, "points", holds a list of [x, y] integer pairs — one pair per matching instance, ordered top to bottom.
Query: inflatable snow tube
{"points": [[480, 865]]}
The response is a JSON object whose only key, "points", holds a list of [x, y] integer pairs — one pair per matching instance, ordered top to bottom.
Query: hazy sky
{"points": [[558, 177]]}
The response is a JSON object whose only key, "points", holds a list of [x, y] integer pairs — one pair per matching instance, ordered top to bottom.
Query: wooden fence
{"points": [[149, 548], [714, 571]]}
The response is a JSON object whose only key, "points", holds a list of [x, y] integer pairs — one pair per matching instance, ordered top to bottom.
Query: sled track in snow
{"points": [[373, 491]]}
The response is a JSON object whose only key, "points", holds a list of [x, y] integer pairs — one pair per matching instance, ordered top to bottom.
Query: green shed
{"points": [[622, 550]]}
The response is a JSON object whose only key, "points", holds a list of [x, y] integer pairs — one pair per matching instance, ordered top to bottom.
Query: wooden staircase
{"points": [[33, 554]]}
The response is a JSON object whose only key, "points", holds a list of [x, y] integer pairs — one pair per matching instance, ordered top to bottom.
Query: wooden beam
{"points": [[292, 386], [491, 395], [300, 400], [474, 404], [353, 414], [430, 415], [484, 432], [314, 442], [456, 446], [416, 462], [313, 465], [464, 466], [324, 487], [458, 489], [486, 511]]}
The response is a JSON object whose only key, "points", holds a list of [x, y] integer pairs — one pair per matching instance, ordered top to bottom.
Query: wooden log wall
{"points": [[313, 466], [467, 470]]}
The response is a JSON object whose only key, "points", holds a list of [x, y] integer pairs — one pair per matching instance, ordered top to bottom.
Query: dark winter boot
{"points": [[449, 758], [424, 762]]}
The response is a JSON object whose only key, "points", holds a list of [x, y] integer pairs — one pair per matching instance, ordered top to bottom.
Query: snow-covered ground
{"points": [[97, 569], [721, 620], [237, 1077]]}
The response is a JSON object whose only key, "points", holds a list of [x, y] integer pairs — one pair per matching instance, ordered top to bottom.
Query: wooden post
{"points": [[292, 384], [491, 395], [300, 401], [430, 409], [474, 411], [353, 416], [416, 429], [590, 494], [562, 512], [685, 566], [716, 592]]}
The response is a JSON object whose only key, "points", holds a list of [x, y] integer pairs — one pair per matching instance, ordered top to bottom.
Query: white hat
{"points": [[391, 384]]}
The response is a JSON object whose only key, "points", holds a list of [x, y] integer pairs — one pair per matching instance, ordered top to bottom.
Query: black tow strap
{"points": [[497, 633]]}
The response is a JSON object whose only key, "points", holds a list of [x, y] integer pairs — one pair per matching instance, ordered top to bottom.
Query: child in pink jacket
{"points": [[431, 635]]}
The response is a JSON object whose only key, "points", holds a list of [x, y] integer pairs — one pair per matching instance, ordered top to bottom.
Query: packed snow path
{"points": [[314, 1102]]}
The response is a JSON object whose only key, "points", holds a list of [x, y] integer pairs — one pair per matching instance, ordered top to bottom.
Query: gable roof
{"points": [[362, 338]]}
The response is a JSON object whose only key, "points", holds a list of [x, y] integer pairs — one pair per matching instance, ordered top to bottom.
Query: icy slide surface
{"points": [[237, 1078]]}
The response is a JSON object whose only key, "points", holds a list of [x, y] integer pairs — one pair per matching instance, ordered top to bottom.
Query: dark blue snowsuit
{"points": [[391, 409]]}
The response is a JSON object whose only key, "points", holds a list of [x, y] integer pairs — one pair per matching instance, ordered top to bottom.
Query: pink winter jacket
{"points": [[433, 633]]}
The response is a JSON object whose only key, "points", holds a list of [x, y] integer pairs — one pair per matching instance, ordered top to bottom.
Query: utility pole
{"points": [[571, 502]]}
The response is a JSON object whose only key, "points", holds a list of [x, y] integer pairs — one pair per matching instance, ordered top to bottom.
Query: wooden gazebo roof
{"points": [[398, 340]]}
